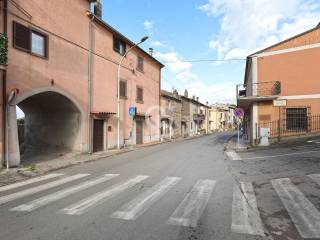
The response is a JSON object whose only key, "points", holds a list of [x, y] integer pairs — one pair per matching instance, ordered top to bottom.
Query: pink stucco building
{"points": [[62, 72]]}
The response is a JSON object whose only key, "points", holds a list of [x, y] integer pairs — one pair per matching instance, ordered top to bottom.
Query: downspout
{"points": [[90, 84], [4, 90]]}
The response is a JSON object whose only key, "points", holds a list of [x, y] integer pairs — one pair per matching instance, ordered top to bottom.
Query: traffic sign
{"points": [[132, 111], [239, 112]]}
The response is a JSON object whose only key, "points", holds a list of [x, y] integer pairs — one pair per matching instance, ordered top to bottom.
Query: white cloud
{"points": [[148, 25], [246, 25], [157, 44], [173, 61], [187, 76], [223, 92]]}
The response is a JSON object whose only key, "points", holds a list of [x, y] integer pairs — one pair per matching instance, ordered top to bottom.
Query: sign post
{"points": [[239, 112]]}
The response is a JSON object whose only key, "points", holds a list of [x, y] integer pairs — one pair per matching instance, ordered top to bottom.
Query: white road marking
{"points": [[233, 155], [282, 155], [315, 177], [29, 181], [40, 188], [98, 198], [45, 200], [140, 204], [191, 208], [303, 213], [245, 215]]}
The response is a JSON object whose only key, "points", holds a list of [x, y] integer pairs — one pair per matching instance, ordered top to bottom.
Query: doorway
{"points": [[139, 131], [98, 135]]}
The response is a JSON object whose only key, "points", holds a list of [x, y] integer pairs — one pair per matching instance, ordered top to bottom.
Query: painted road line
{"points": [[233, 155], [282, 155], [315, 177], [29, 181], [40, 188], [98, 198], [45, 200], [140, 204], [191, 208], [303, 213], [245, 215]]}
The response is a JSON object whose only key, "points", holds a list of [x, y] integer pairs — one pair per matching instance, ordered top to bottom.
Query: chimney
{"points": [[98, 9], [151, 51], [185, 93], [194, 97], [197, 99], [207, 103]]}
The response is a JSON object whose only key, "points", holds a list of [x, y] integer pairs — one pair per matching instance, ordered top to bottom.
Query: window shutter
{"points": [[21, 37], [123, 89], [140, 94]]}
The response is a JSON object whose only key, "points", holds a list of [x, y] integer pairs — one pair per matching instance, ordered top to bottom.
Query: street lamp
{"points": [[119, 68]]}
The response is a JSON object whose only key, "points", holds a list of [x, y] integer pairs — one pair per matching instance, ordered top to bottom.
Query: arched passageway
{"points": [[52, 125]]}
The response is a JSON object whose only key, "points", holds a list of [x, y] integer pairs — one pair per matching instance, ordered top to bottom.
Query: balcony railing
{"points": [[262, 89]]}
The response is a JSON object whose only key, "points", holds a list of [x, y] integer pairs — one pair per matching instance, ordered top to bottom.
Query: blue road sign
{"points": [[132, 111]]}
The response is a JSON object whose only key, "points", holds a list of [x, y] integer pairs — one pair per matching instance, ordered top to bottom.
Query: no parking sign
{"points": [[239, 112]]}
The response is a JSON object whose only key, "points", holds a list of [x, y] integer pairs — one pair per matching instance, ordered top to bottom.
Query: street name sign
{"points": [[280, 103]]}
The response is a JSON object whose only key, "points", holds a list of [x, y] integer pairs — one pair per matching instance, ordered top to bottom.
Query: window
{"points": [[29, 40], [38, 44], [119, 45], [140, 64], [123, 89], [140, 94], [296, 119]]}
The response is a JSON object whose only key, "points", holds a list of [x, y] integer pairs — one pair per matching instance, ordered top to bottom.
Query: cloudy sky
{"points": [[183, 30]]}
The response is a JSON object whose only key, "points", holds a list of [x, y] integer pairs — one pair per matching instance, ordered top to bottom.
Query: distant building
{"points": [[170, 115], [182, 116], [221, 117]]}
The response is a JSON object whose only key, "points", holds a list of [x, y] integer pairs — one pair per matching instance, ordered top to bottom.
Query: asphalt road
{"points": [[187, 190]]}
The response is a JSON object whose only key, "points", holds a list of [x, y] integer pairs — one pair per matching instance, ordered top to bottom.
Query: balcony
{"points": [[256, 92], [199, 117]]}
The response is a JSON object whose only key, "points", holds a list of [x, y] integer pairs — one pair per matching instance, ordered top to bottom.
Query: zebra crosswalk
{"points": [[245, 217]]}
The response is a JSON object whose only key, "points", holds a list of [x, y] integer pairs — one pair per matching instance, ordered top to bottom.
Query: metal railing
{"points": [[261, 89], [291, 126]]}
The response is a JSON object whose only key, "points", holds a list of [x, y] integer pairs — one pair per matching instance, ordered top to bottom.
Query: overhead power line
{"points": [[206, 60]]}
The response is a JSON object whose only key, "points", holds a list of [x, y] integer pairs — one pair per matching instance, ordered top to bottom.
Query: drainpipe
{"points": [[90, 82], [4, 90]]}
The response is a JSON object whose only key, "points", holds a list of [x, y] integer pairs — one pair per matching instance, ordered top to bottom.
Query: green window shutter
{"points": [[3, 50]]}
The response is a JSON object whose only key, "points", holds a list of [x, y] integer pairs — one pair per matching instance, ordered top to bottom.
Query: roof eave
{"points": [[106, 25]]}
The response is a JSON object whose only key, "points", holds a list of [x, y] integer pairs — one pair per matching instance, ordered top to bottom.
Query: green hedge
{"points": [[3, 50]]}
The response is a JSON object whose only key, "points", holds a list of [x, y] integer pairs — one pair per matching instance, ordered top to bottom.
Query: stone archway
{"points": [[53, 125]]}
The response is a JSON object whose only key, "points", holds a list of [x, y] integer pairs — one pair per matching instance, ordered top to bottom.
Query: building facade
{"points": [[64, 78], [281, 88], [221, 117], [171, 124]]}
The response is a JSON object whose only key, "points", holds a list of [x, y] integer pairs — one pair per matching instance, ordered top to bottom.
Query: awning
{"points": [[102, 115], [142, 116]]}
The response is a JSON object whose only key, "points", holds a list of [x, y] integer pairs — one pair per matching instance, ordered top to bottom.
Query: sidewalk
{"points": [[232, 144], [35, 168]]}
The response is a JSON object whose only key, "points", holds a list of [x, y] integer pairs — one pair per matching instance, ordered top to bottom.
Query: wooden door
{"points": [[139, 131], [97, 135]]}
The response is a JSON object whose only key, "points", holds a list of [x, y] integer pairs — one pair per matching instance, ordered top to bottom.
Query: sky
{"points": [[192, 30]]}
